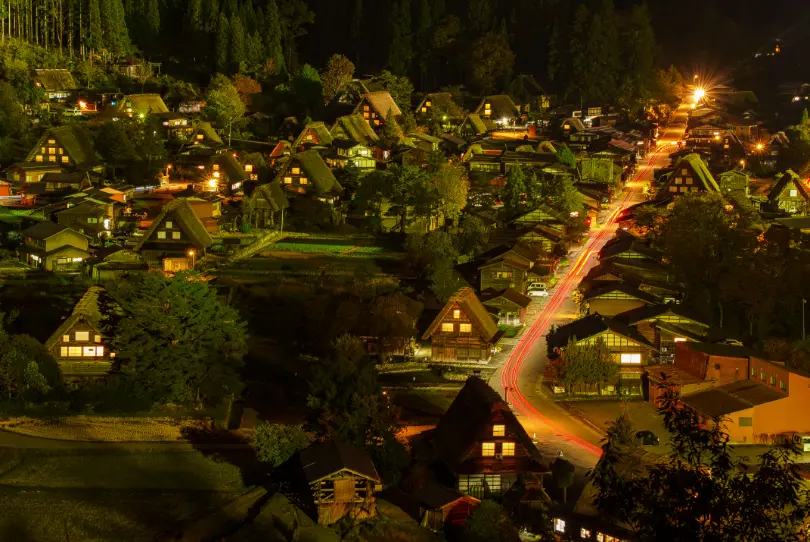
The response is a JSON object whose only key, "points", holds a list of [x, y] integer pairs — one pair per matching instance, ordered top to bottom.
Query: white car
{"points": [[537, 290]]}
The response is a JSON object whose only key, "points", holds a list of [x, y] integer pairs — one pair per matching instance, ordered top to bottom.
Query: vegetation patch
{"points": [[107, 429]]}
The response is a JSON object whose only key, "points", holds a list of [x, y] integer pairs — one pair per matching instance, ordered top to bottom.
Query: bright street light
{"points": [[699, 94]]}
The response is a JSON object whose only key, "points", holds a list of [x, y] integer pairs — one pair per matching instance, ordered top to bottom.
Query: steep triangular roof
{"points": [[55, 79], [382, 102], [144, 104], [501, 106], [479, 125], [355, 128], [321, 131], [210, 137], [77, 143], [317, 170], [701, 170], [783, 181], [274, 194], [188, 220], [44, 230], [626, 289], [509, 294], [473, 309], [86, 310], [653, 312], [592, 326], [468, 418], [325, 458]]}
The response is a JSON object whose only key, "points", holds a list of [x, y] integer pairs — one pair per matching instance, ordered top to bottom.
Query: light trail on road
{"points": [[511, 371]]}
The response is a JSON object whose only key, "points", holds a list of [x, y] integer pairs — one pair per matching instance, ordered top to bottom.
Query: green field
{"points": [[334, 248]]}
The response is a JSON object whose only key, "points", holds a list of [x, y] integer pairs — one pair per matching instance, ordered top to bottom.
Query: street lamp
{"points": [[699, 94], [191, 254]]}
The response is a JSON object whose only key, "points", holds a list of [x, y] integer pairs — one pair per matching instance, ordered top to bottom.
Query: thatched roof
{"points": [[55, 79], [382, 102], [501, 106], [355, 128], [320, 130], [210, 136], [76, 142], [316, 169], [274, 194], [189, 222], [466, 300], [86, 310], [326, 458]]}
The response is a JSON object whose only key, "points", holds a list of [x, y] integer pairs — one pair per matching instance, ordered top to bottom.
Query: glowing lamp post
{"points": [[699, 94], [191, 255]]}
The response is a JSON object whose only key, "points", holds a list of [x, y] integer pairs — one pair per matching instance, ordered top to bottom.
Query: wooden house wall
{"points": [[295, 178], [684, 179], [792, 204], [80, 222], [66, 238], [516, 277], [612, 307], [509, 313], [619, 344], [455, 345], [342, 493]]}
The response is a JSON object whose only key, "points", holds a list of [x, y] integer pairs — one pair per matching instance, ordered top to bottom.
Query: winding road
{"points": [[553, 428]]}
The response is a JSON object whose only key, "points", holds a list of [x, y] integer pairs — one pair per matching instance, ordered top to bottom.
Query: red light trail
{"points": [[511, 371]]}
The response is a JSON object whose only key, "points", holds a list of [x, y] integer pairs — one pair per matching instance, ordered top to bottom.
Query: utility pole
{"points": [[804, 333]]}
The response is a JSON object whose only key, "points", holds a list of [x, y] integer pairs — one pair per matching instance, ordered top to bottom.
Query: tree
{"points": [[294, 14], [211, 15], [481, 15], [194, 16], [153, 19], [424, 26], [114, 27], [272, 33], [95, 40], [221, 44], [638, 44], [236, 45], [400, 51], [491, 61], [339, 71], [580, 80], [246, 87], [400, 88], [307, 90], [223, 104], [114, 145], [566, 157], [450, 184], [514, 192], [410, 194], [473, 235], [427, 253], [445, 281], [177, 338], [587, 364], [27, 371], [347, 404], [276, 443], [562, 472], [701, 492], [489, 522]]}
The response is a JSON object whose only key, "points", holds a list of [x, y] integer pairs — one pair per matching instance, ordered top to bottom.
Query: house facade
{"points": [[375, 107], [306, 173], [689, 175], [789, 194], [267, 203], [87, 218], [175, 239], [52, 247], [504, 272], [509, 305], [463, 332], [78, 345], [342, 479]]}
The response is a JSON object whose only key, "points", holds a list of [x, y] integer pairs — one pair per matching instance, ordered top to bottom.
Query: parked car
{"points": [[537, 290], [647, 438]]}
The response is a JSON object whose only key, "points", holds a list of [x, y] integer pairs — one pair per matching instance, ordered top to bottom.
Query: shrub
{"points": [[276, 443]]}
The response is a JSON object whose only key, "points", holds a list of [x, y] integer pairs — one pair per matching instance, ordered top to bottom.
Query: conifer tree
{"points": [[211, 15], [194, 16], [152, 18], [114, 27], [424, 27], [94, 33], [272, 36], [221, 44], [236, 44], [400, 52]]}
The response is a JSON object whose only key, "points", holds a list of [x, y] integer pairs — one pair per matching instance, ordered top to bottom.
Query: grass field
{"points": [[327, 247], [169, 470]]}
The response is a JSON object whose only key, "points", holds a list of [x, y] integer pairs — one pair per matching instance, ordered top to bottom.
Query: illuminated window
{"points": [[427, 104], [365, 108], [424, 110], [365, 115], [376, 123], [200, 137], [309, 137], [51, 142], [42, 150], [51, 150], [61, 151], [39, 158], [51, 158], [65, 159], [216, 167], [249, 168], [296, 171], [684, 171], [287, 180], [303, 180], [678, 180], [689, 180], [793, 192], [169, 224], [161, 235], [175, 235], [456, 314], [448, 327], [465, 328], [82, 336], [65, 338], [97, 338], [680, 339], [63, 351], [75, 351], [89, 351], [99, 351], [631, 358], [753, 371], [762, 375], [773, 381], [782, 385], [498, 430], [488, 449], [508, 449], [559, 525], [584, 533], [600, 537]]}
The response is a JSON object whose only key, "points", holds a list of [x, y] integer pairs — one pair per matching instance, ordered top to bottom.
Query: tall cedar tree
{"points": [[211, 15], [194, 16], [153, 18], [424, 27], [114, 28], [357, 30], [272, 33], [95, 40], [221, 44], [236, 44], [638, 44], [400, 52], [491, 61], [339, 71], [579, 82], [178, 338]]}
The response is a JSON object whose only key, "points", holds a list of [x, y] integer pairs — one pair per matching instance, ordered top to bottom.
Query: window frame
{"points": [[78, 340], [499, 430], [487, 449], [508, 449]]}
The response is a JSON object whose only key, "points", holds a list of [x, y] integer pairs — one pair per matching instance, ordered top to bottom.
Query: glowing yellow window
{"points": [[427, 104], [365, 108], [424, 110], [200, 137], [309, 137], [51, 142], [42, 150], [51, 150], [61, 151], [39, 158], [51, 158], [65, 159], [216, 167], [249, 168], [296, 171], [287, 180], [303, 180], [456, 314], [448, 327], [465, 328], [82, 335], [65, 338], [63, 351], [99, 351], [498, 430], [488, 449], [508, 449]]}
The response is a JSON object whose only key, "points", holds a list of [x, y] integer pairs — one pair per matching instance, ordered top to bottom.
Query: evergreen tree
{"points": [[481, 14], [211, 15], [194, 16], [248, 16], [152, 18], [114, 27], [424, 28], [357, 30], [273, 36], [95, 40], [638, 43], [221, 44], [236, 44], [254, 52], [400, 52], [603, 53], [559, 67], [580, 80], [514, 191]]}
